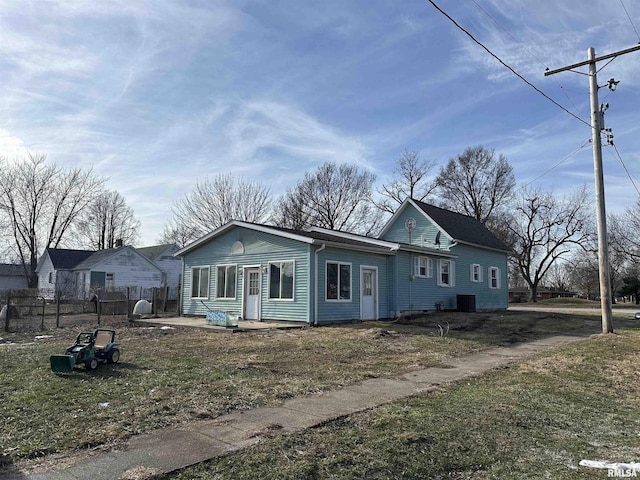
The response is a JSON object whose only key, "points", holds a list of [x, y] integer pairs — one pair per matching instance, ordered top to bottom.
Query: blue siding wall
{"points": [[424, 235], [259, 249], [417, 293], [487, 298], [332, 311]]}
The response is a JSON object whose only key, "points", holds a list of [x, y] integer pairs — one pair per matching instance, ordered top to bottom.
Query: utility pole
{"points": [[603, 251]]}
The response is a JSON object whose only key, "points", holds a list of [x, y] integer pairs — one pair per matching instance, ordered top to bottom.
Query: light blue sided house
{"points": [[426, 258]]}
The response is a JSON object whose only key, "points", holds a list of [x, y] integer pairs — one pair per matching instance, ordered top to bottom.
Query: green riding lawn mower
{"points": [[90, 348]]}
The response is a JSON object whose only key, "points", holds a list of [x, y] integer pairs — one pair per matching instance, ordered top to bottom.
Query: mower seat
{"points": [[103, 338]]}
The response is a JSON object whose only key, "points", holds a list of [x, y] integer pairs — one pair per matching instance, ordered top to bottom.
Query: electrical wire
{"points": [[629, 17], [524, 47], [505, 65], [555, 166], [625, 168]]}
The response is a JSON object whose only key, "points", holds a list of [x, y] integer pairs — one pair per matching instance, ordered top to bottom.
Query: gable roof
{"points": [[459, 228], [462, 228], [314, 235], [155, 251], [102, 255], [65, 259]]}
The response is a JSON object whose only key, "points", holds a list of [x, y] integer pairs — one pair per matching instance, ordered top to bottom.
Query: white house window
{"points": [[423, 267], [476, 272], [446, 273], [494, 277], [281, 280], [338, 281], [200, 282], [226, 285]]}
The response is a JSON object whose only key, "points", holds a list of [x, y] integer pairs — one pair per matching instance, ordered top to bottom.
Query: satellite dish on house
{"points": [[410, 224]]}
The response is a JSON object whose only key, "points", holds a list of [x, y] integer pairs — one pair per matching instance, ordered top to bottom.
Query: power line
{"points": [[629, 17], [524, 47], [505, 65], [556, 165], [625, 168]]}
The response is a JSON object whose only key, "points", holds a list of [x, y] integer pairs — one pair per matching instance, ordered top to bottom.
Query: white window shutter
{"points": [[416, 266], [430, 267], [472, 269], [452, 273], [479, 273]]}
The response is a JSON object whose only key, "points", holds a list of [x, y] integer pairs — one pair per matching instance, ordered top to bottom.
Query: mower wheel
{"points": [[113, 356], [91, 364]]}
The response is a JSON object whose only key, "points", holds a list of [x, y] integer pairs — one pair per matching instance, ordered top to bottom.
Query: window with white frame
{"points": [[423, 267], [476, 272], [446, 273], [494, 277], [281, 280], [338, 281], [199, 282], [226, 282]]}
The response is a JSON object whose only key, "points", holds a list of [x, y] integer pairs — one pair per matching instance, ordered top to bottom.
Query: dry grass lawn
{"points": [[173, 376]]}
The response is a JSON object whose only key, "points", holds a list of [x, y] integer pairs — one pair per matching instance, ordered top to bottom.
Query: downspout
{"points": [[316, 288]]}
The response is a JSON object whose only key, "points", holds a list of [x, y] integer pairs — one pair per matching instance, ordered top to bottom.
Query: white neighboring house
{"points": [[162, 255], [75, 273]]}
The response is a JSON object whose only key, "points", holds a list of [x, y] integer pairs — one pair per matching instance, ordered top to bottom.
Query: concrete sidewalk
{"points": [[174, 448]]}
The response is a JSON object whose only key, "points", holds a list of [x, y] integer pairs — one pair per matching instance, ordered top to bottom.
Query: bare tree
{"points": [[409, 180], [476, 183], [333, 197], [40, 202], [215, 202], [106, 220], [546, 228], [582, 268]]}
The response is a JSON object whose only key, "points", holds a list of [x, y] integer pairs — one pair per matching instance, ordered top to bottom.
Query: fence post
{"points": [[154, 298], [164, 298], [128, 306], [44, 307], [98, 308], [58, 309], [7, 312]]}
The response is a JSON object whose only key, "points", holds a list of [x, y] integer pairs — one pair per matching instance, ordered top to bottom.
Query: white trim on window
{"points": [[423, 267], [227, 269], [446, 273], [475, 273], [207, 276], [494, 278], [338, 287], [280, 298]]}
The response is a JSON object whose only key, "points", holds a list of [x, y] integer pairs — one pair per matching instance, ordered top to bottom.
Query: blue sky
{"points": [[158, 94]]}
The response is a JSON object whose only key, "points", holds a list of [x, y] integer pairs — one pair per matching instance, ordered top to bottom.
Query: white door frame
{"points": [[245, 288], [375, 292]]}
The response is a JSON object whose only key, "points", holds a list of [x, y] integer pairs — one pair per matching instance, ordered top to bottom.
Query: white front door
{"points": [[369, 293], [252, 294]]}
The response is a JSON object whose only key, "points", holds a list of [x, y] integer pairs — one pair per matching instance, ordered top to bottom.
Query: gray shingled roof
{"points": [[462, 227], [328, 237], [152, 252], [96, 258], [64, 259], [11, 270]]}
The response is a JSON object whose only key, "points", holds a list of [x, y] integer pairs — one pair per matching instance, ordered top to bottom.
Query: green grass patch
{"points": [[171, 377], [537, 419]]}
